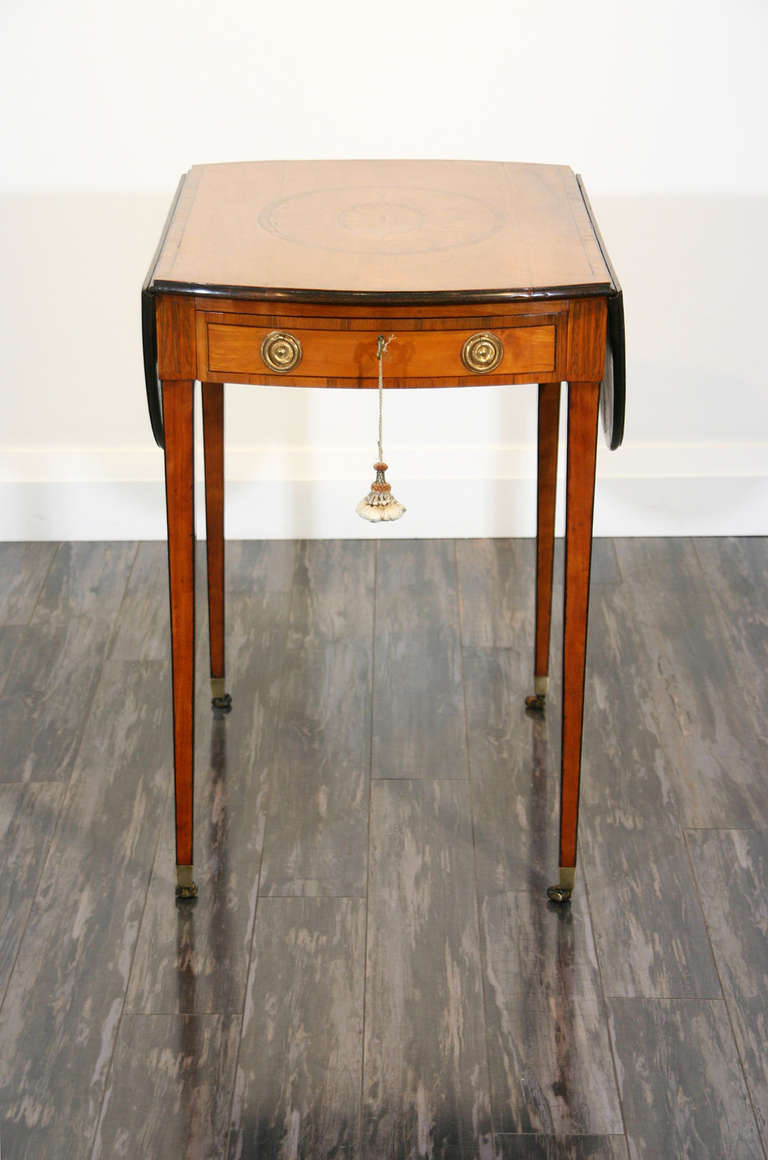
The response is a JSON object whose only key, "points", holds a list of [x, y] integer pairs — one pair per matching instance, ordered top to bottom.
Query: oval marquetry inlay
{"points": [[381, 219]]}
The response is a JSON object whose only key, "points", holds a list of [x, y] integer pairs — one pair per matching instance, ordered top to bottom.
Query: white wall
{"points": [[660, 106]]}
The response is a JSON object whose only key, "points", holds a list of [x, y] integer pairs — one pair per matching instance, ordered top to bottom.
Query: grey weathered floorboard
{"points": [[256, 566], [253, 568], [605, 568], [23, 569], [736, 575], [85, 579], [497, 581], [497, 590], [332, 596], [142, 630], [11, 636], [58, 657], [47, 696], [418, 706], [513, 757], [719, 758], [514, 766], [627, 776], [27, 819], [316, 837], [732, 873], [648, 924], [650, 931], [535, 952], [198, 961], [66, 992], [549, 1054], [425, 1077], [682, 1087], [170, 1088], [297, 1089], [538, 1147]]}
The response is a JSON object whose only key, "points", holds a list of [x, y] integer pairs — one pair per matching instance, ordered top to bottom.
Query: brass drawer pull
{"points": [[281, 351], [482, 352]]}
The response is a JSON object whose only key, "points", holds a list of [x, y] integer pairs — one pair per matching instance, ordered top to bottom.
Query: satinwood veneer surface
{"points": [[384, 228]]}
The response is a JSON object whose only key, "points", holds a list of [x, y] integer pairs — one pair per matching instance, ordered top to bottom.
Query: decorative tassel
{"points": [[380, 504]]}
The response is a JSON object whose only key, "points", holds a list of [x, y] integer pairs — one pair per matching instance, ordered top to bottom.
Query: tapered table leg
{"points": [[178, 413], [213, 448], [546, 492], [580, 493]]}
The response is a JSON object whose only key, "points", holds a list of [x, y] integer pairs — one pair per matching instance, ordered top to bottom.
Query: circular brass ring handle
{"points": [[281, 351], [482, 352]]}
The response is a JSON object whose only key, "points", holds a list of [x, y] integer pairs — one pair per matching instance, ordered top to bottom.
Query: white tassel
{"points": [[380, 504]]}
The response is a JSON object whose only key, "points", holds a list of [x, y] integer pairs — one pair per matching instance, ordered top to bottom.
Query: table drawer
{"points": [[233, 351]]}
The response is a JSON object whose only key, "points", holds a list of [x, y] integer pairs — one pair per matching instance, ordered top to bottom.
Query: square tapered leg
{"points": [[178, 414], [213, 449], [580, 493], [546, 494]]}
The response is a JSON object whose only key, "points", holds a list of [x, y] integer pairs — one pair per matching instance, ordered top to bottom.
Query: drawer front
{"points": [[235, 351]]}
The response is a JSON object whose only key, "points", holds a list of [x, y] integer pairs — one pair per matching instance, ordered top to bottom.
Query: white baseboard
{"points": [[320, 508]]}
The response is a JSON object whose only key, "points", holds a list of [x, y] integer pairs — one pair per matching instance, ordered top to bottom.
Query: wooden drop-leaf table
{"points": [[285, 273]]}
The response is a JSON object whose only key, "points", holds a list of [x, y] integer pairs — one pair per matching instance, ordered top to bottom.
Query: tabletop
{"points": [[381, 228]]}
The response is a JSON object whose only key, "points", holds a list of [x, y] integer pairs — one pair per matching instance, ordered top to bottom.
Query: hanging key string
{"points": [[381, 348], [379, 503]]}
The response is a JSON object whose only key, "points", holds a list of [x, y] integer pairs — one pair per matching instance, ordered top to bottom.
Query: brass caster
{"points": [[221, 702], [537, 702], [221, 705], [186, 887], [564, 889]]}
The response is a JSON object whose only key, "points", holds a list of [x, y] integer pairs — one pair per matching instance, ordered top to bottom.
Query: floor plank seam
{"points": [[615, 556], [44, 581], [717, 613], [720, 618], [111, 638], [267, 798], [719, 829], [368, 848], [482, 951], [603, 996], [604, 1004]]}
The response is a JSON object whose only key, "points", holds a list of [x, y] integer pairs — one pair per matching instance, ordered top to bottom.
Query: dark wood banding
{"points": [[149, 328], [613, 386]]}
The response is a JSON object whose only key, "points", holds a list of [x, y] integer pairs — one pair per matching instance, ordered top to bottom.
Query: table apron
{"points": [[564, 342]]}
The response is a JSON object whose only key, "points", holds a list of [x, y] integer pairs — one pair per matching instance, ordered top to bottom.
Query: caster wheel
{"points": [[536, 703], [221, 705], [186, 887], [184, 893], [558, 894]]}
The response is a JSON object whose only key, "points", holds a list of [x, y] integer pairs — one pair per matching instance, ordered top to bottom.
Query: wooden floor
{"points": [[372, 968]]}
